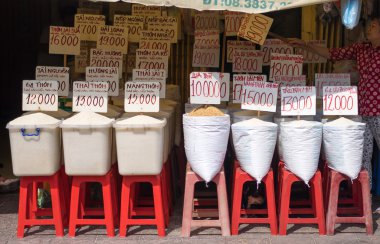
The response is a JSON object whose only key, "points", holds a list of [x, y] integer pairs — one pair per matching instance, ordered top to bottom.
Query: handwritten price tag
{"points": [[142, 10], [206, 21], [232, 22], [134, 24], [89, 25], [168, 25], [255, 28], [151, 35], [113, 38], [205, 39], [64, 40], [155, 45], [241, 45], [274, 46], [309, 57], [104, 58], [206, 58], [152, 59], [81, 61], [246, 61], [285, 64], [60, 74], [105, 74], [151, 75], [336, 79], [289, 81], [238, 83], [205, 88], [39, 95], [259, 95], [90, 96], [142, 97], [340, 100], [298, 101]]}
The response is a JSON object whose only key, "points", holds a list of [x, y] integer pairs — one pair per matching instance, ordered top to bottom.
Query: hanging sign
{"points": [[141, 10], [206, 21], [232, 22], [134, 24], [89, 25], [168, 25], [255, 28], [151, 35], [113, 38], [64, 40], [241, 45], [274, 46], [206, 52], [310, 57], [104, 58], [152, 59], [81, 61], [246, 61], [285, 64], [59, 74], [105, 74], [151, 75], [331, 79], [289, 81], [238, 83], [206, 88], [39, 95], [259, 95], [90, 96], [142, 97], [340, 100], [298, 101]]}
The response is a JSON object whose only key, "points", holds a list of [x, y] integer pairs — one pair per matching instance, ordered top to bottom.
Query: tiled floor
{"points": [[249, 234]]}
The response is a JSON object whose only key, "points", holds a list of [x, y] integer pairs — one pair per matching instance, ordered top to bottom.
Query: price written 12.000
{"points": [[41, 99], [142, 99]]}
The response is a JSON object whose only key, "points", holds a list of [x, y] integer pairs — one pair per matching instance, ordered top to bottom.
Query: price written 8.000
{"points": [[258, 4]]}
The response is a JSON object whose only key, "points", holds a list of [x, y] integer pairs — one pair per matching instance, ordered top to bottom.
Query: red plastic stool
{"points": [[240, 178], [287, 178], [335, 178], [78, 208], [128, 209], [27, 216], [187, 219]]}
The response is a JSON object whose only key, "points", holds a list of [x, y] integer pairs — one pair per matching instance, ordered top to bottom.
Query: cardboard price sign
{"points": [[142, 10], [206, 21], [232, 22], [134, 24], [89, 25], [168, 25], [255, 28], [150, 35], [113, 38], [206, 39], [64, 40], [155, 45], [241, 45], [274, 46], [310, 57], [103, 58], [206, 58], [152, 59], [81, 61], [246, 61], [285, 64], [59, 74], [105, 74], [151, 75], [335, 79], [289, 81], [238, 83], [205, 88], [39, 95], [259, 95], [90, 96], [142, 97], [340, 100], [298, 101]]}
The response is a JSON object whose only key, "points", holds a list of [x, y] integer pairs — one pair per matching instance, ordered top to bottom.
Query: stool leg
{"points": [[107, 187], [165, 195], [366, 198], [32, 200], [115, 201], [318, 203], [332, 203], [74, 204], [236, 204], [271, 204], [56, 205], [124, 206], [158, 206], [22, 207], [284, 207], [187, 215], [224, 217]]}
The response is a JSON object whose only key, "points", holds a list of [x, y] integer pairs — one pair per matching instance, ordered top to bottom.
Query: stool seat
{"points": [[187, 218]]}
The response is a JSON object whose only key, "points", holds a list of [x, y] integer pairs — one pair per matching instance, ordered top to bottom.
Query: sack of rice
{"points": [[206, 132], [343, 141], [254, 143]]}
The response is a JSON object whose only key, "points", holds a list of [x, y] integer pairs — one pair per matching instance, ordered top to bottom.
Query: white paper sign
{"points": [[232, 22], [241, 45], [274, 46], [310, 57], [104, 58], [206, 58], [152, 59], [246, 61], [285, 64], [60, 74], [105, 74], [151, 75], [335, 79], [289, 81], [238, 83], [207, 88], [39, 95], [259, 95], [90, 96], [142, 97], [340, 100], [298, 101]]}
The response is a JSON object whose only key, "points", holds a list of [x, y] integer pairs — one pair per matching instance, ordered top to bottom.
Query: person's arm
{"points": [[321, 51]]}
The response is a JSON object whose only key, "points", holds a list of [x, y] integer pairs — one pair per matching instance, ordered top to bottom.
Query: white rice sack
{"points": [[278, 121], [206, 140], [343, 141], [254, 142], [301, 144]]}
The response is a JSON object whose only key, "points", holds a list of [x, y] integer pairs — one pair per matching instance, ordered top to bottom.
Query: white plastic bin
{"points": [[113, 113], [59, 114], [178, 119], [87, 143], [35, 145], [140, 145]]}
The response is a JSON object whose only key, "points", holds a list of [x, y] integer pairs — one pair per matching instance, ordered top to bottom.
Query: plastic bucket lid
{"points": [[87, 120], [32, 121], [140, 121]]}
